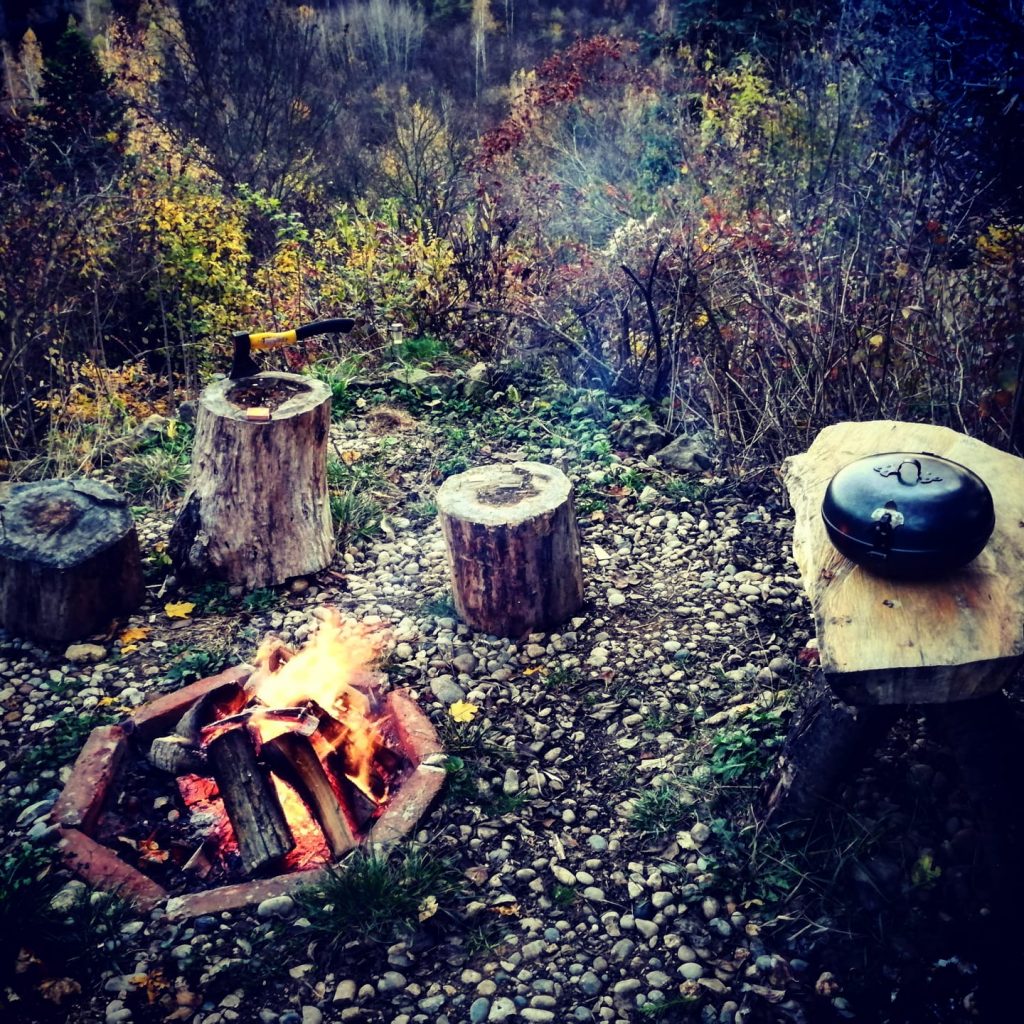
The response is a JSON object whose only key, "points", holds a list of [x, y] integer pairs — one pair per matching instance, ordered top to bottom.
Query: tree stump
{"points": [[257, 510], [513, 547], [69, 559]]}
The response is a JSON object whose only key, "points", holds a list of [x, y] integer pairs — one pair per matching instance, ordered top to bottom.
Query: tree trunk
{"points": [[257, 511], [513, 547], [69, 559]]}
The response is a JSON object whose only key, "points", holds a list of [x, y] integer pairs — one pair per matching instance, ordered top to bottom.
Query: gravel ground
{"points": [[580, 902]]}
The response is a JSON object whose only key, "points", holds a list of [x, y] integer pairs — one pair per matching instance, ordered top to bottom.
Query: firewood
{"points": [[257, 510], [513, 547], [69, 559], [224, 700], [177, 755], [292, 757], [250, 801]]}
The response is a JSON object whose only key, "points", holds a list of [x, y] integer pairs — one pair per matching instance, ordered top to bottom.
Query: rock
{"points": [[424, 380], [477, 384], [641, 436], [685, 455], [616, 598], [84, 654], [465, 663], [446, 690], [563, 875], [276, 906], [623, 949], [532, 950], [691, 971], [391, 981], [590, 984], [479, 1009], [502, 1009], [311, 1015]]}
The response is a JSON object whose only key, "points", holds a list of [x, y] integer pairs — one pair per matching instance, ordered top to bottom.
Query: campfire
{"points": [[279, 768]]}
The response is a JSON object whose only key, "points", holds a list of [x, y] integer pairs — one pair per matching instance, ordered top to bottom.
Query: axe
{"points": [[242, 362]]}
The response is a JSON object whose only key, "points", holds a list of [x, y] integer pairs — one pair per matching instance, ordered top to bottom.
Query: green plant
{"points": [[424, 350], [339, 377], [450, 466], [155, 476], [678, 489], [424, 509], [356, 517], [213, 598], [261, 599], [440, 607], [198, 665], [64, 741], [746, 750], [461, 780], [659, 811], [564, 895], [376, 900]]}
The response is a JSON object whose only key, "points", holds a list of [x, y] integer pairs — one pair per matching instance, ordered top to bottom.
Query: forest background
{"points": [[761, 218]]}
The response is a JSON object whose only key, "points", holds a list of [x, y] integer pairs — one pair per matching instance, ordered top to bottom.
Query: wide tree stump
{"points": [[257, 510], [513, 547], [69, 559], [886, 641]]}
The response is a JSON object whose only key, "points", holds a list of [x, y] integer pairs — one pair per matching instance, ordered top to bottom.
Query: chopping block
{"points": [[947, 646]]}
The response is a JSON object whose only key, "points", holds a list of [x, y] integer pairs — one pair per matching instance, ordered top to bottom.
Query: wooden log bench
{"points": [[948, 646]]}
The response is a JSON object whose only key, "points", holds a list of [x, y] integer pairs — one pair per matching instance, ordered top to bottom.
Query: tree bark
{"points": [[257, 511], [513, 547], [69, 559], [250, 801]]}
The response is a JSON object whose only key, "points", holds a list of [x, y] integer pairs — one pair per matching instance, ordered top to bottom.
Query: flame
{"points": [[334, 670]]}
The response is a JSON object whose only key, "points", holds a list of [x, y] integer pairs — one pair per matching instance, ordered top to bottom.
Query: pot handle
{"points": [[909, 462]]}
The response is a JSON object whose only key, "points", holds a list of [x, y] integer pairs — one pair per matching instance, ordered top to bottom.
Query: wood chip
{"points": [[258, 414]]}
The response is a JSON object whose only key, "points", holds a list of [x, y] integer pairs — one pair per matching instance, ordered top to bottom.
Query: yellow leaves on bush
{"points": [[106, 395], [179, 609]]}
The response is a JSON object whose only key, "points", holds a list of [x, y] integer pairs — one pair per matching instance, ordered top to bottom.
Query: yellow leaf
{"points": [[902, 269], [876, 341], [350, 455], [179, 609], [129, 636], [129, 648], [534, 671], [463, 711], [427, 908], [506, 909]]}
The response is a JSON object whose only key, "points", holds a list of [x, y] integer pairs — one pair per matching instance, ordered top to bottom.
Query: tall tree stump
{"points": [[257, 510], [513, 547], [69, 559]]}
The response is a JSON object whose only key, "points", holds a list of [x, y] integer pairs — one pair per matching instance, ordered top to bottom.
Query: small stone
{"points": [[616, 598], [83, 654], [465, 663], [446, 690], [510, 784], [700, 833], [597, 843], [563, 875], [276, 906], [648, 929], [623, 949], [532, 950], [691, 971], [658, 979], [391, 981], [590, 984], [345, 992], [501, 1009], [478, 1010], [311, 1015]]}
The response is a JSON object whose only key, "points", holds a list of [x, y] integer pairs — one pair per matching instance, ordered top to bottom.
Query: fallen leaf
{"points": [[876, 341], [350, 455], [179, 609], [129, 636], [129, 648], [533, 671], [463, 711], [150, 851], [477, 875], [427, 908], [506, 910], [56, 990]]}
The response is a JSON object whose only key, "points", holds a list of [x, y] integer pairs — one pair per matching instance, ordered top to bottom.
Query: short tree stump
{"points": [[513, 547], [69, 559]]}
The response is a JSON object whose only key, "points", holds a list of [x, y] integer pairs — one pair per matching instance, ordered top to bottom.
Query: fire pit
{"points": [[277, 769]]}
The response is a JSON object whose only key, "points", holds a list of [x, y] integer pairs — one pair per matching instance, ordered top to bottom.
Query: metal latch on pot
{"points": [[886, 519]]}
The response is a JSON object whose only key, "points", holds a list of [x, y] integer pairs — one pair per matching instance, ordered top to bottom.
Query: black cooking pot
{"points": [[908, 515]]}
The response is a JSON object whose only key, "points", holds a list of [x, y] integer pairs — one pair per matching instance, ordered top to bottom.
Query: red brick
{"points": [[161, 715], [417, 735], [410, 803], [78, 805], [103, 869], [245, 894]]}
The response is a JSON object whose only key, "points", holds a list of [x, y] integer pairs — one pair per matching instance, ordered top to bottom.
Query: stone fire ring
{"points": [[78, 808]]}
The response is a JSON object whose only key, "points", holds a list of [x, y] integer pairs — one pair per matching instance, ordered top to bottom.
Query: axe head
{"points": [[242, 362]]}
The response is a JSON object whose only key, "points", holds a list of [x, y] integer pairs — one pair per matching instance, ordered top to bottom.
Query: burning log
{"points": [[257, 512], [513, 547], [292, 757], [250, 801]]}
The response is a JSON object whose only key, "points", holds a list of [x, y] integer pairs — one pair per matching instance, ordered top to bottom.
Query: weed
{"points": [[425, 350], [339, 378], [449, 467], [156, 476], [678, 489], [425, 509], [356, 517], [213, 599], [261, 599], [440, 607], [198, 665], [561, 677], [659, 721], [64, 741], [746, 751], [460, 780], [505, 803], [659, 811], [564, 895], [375, 900], [484, 938], [662, 1008]]}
